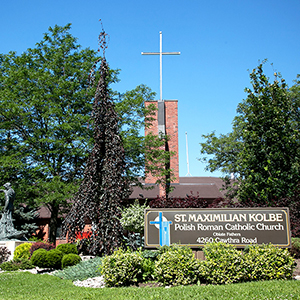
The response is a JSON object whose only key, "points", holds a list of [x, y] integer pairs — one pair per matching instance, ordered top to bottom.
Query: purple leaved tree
{"points": [[104, 185]]}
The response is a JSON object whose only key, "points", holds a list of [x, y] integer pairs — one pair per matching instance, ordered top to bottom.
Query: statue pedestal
{"points": [[11, 246]]}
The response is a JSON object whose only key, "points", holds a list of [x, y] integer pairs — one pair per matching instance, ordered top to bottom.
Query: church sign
{"points": [[237, 226]]}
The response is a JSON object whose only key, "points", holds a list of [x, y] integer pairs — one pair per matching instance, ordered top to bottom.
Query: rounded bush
{"points": [[67, 248], [22, 251], [39, 258], [54, 258], [70, 259], [267, 262], [224, 264], [176, 266], [122, 268]]}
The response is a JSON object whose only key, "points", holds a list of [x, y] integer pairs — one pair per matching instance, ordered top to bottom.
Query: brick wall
{"points": [[171, 122]]}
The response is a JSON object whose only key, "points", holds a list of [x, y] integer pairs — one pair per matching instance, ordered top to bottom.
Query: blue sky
{"points": [[219, 41]]}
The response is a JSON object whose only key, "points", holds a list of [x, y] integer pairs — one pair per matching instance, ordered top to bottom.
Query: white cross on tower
{"points": [[160, 53], [161, 104]]}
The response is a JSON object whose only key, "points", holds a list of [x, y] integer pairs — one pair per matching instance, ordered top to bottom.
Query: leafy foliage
{"points": [[45, 145], [44, 148], [263, 149], [157, 160], [104, 184], [190, 201], [292, 203], [133, 217], [25, 219], [134, 241], [41, 245], [67, 248], [295, 250], [22, 251], [4, 254], [150, 254], [39, 258], [54, 258], [47, 259], [70, 259], [267, 262], [16, 264], [224, 264], [176, 266], [122, 268], [83, 270]]}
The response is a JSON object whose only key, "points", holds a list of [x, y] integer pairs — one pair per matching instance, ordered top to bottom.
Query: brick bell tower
{"points": [[166, 122]]}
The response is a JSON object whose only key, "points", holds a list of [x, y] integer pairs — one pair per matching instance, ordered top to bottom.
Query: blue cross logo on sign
{"points": [[163, 226]]}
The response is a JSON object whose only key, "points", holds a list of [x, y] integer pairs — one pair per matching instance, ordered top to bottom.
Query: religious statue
{"points": [[7, 230]]}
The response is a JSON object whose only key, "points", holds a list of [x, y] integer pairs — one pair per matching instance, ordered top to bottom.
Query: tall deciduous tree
{"points": [[45, 108], [44, 114], [264, 148], [104, 185]]}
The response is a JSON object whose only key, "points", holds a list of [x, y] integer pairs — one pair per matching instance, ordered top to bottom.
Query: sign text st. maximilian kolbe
{"points": [[237, 226]]}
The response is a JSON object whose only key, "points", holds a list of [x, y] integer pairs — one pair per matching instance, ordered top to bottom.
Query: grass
{"points": [[24, 285]]}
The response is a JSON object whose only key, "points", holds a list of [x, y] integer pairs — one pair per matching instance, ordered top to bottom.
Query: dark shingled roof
{"points": [[206, 187]]}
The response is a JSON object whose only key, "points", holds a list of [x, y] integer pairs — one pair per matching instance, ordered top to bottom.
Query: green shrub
{"points": [[133, 217], [133, 221], [67, 248], [295, 250], [22, 251], [4, 254], [151, 254], [39, 258], [54, 258], [70, 259], [267, 262], [17, 264], [224, 264], [9, 266], [176, 266], [148, 267], [122, 268], [85, 269]]}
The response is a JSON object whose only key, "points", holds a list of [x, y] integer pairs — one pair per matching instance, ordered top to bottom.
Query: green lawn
{"points": [[19, 285]]}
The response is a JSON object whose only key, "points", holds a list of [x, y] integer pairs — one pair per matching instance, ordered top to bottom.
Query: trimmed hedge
{"points": [[67, 248], [39, 258], [54, 258], [47, 259], [70, 259], [224, 264]]}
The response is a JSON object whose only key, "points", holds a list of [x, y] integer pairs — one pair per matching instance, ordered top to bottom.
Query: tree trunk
{"points": [[53, 224]]}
